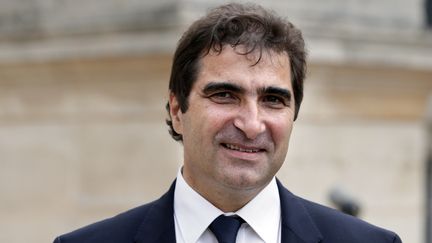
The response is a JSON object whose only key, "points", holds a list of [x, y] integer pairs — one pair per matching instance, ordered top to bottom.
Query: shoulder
{"points": [[125, 226], [339, 227], [120, 228]]}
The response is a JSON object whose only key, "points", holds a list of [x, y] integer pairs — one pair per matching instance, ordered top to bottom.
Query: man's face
{"points": [[238, 123]]}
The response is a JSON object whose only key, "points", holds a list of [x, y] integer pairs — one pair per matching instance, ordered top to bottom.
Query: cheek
{"points": [[218, 116], [207, 121], [281, 132]]}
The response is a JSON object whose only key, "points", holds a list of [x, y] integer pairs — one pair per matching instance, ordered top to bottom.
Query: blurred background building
{"points": [[83, 86]]}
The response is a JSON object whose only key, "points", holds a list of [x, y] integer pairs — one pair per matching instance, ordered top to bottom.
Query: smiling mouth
{"points": [[240, 149]]}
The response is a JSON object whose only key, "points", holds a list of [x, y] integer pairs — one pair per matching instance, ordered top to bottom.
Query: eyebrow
{"points": [[218, 86], [284, 93]]}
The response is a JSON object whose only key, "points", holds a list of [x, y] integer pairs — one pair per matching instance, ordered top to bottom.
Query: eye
{"points": [[222, 97], [274, 101]]}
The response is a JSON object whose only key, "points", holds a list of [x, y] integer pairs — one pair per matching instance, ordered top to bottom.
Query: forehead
{"points": [[267, 68]]}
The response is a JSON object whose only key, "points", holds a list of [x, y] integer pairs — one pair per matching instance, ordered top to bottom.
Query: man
{"points": [[235, 90]]}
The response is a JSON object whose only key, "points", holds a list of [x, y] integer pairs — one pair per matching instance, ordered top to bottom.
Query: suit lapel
{"points": [[158, 224], [297, 225]]}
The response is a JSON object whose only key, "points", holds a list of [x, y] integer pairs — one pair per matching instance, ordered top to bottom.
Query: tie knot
{"points": [[225, 228]]}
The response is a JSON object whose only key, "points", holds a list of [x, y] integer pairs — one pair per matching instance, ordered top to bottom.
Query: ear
{"points": [[176, 114]]}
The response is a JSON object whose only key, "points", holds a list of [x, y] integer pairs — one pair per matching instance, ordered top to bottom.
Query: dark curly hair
{"points": [[248, 25]]}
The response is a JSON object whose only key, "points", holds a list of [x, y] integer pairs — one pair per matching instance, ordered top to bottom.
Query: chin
{"points": [[245, 181]]}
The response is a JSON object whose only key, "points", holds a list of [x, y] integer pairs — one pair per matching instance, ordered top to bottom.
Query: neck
{"points": [[229, 202]]}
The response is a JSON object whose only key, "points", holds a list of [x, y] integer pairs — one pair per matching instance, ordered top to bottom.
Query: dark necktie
{"points": [[225, 228]]}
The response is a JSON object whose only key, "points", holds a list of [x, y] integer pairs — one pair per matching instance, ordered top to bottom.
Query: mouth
{"points": [[242, 148]]}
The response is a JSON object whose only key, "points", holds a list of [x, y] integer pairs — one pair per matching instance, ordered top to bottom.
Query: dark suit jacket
{"points": [[302, 222]]}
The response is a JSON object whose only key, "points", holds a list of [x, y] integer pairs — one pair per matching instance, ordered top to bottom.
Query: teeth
{"points": [[233, 147]]}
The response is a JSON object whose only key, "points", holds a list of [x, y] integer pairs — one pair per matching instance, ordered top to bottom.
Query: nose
{"points": [[249, 120]]}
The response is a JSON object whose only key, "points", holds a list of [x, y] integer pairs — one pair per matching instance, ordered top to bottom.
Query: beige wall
{"points": [[363, 129], [79, 141]]}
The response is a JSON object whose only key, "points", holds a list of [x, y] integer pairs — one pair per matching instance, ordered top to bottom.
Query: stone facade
{"points": [[83, 89]]}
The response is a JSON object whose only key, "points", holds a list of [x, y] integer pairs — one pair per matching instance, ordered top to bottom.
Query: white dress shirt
{"points": [[193, 214]]}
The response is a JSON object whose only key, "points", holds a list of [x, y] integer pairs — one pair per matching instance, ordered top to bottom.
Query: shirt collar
{"points": [[187, 203], [262, 213]]}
